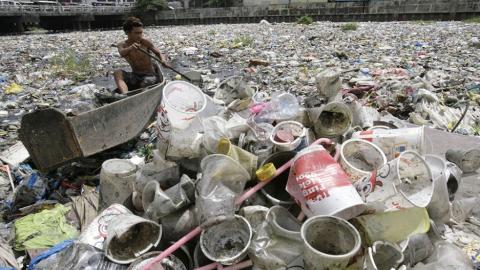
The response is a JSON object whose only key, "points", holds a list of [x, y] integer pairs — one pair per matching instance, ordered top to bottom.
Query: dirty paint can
{"points": [[334, 120], [395, 141], [359, 158], [117, 177], [321, 187], [129, 236], [227, 242], [329, 242]]}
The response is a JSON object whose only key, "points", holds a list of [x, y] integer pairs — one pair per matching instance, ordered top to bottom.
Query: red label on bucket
{"points": [[367, 132], [314, 175]]}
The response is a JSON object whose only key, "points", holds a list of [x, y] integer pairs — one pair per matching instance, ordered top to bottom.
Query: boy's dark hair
{"points": [[130, 23]]}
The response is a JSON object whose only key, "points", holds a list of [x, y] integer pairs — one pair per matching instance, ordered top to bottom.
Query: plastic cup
{"points": [[182, 101]]}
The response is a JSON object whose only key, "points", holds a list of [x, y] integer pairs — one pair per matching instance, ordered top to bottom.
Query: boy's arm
{"points": [[124, 50], [157, 52]]}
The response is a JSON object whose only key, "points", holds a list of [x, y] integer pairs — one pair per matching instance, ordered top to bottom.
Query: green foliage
{"points": [[218, 3], [146, 6], [305, 20], [473, 20], [422, 22], [349, 27], [35, 29], [242, 41], [70, 65], [147, 151]]}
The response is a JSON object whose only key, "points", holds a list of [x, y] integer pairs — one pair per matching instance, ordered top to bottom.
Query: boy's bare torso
{"points": [[140, 62]]}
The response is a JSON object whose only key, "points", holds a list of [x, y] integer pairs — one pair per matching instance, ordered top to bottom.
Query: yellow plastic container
{"points": [[266, 172], [392, 226]]}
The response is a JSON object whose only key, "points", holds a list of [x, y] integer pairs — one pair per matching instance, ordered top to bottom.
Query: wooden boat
{"points": [[52, 138]]}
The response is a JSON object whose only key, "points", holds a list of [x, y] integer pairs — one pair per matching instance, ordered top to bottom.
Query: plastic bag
{"points": [[214, 130], [223, 179], [277, 240], [79, 256]]}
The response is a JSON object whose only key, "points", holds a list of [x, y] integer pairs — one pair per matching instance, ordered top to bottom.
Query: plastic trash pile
{"points": [[351, 165]]}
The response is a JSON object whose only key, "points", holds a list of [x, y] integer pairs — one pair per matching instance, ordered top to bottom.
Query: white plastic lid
{"points": [[121, 167]]}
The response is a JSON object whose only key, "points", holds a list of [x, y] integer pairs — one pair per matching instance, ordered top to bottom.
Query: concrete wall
{"points": [[264, 3], [278, 10]]}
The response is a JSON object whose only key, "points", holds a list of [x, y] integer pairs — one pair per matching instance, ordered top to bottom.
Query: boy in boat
{"points": [[144, 72]]}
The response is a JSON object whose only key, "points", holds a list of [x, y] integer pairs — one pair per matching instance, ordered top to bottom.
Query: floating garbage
{"points": [[377, 126], [288, 135]]}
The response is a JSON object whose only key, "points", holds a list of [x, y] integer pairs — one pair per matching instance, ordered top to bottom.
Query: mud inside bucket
{"points": [[359, 158], [415, 179], [130, 236], [228, 241], [329, 242]]}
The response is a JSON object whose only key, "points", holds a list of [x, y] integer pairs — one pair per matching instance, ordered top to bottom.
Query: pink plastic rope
{"points": [[182, 241], [208, 266]]}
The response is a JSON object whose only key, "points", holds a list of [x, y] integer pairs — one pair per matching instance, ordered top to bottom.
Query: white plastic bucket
{"points": [[182, 101], [395, 141], [359, 158], [116, 181], [404, 182], [321, 187], [439, 206], [129, 236], [227, 242], [329, 242]]}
